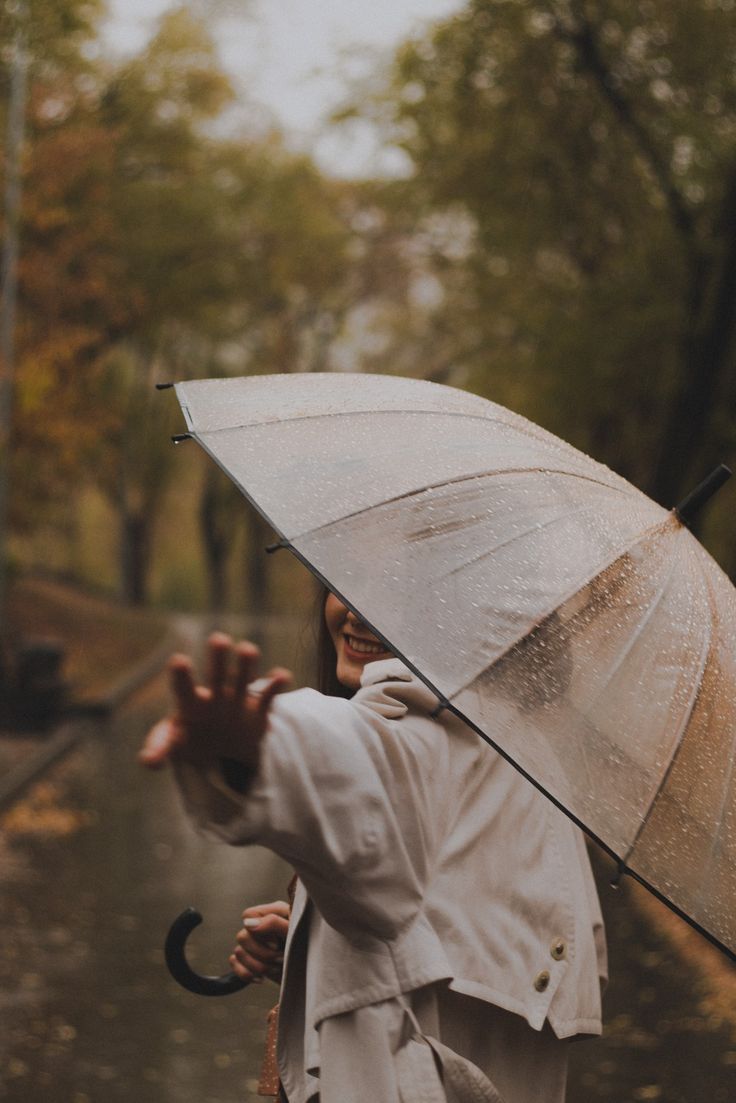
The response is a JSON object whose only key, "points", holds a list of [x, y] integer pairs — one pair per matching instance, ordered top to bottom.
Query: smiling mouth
{"points": [[364, 647]]}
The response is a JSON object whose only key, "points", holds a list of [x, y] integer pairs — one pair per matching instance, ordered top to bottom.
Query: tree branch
{"points": [[581, 34], [707, 361]]}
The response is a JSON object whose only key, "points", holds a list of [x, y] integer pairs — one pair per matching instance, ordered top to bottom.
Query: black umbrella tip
{"points": [[696, 499]]}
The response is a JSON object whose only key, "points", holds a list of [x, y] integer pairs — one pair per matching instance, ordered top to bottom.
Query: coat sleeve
{"points": [[347, 795]]}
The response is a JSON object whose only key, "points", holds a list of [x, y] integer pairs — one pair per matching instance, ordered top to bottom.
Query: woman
{"points": [[445, 939]]}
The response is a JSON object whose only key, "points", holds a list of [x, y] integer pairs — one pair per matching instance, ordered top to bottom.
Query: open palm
{"points": [[225, 718]]}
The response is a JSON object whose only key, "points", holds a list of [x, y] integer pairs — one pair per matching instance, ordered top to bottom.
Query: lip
{"points": [[362, 656]]}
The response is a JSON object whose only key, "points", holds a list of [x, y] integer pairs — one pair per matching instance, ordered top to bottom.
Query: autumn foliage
{"points": [[562, 239]]}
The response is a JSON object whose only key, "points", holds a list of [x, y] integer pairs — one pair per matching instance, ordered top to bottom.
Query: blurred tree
{"points": [[58, 32], [57, 35], [14, 135], [574, 195], [164, 201], [289, 242], [123, 247], [154, 249], [172, 253], [234, 256], [287, 260], [134, 460], [219, 507]]}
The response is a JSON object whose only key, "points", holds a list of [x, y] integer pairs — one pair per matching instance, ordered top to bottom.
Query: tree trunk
{"points": [[688, 447], [686, 450], [258, 536], [214, 541], [135, 557]]}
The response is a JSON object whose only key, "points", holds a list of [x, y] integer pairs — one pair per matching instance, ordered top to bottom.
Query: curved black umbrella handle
{"points": [[180, 969]]}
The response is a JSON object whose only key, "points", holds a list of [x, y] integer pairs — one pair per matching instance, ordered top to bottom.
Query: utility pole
{"points": [[9, 275]]}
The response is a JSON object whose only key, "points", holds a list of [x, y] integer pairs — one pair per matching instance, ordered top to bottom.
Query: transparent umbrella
{"points": [[576, 625]]}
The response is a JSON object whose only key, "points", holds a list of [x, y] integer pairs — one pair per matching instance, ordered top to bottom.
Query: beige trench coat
{"points": [[431, 865]]}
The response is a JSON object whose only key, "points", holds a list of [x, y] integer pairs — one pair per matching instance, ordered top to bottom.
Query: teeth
{"points": [[364, 647]]}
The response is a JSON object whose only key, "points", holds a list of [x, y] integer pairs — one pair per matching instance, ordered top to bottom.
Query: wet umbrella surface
{"points": [[576, 624]]}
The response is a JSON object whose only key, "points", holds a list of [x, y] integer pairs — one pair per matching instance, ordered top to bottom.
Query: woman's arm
{"points": [[347, 792]]}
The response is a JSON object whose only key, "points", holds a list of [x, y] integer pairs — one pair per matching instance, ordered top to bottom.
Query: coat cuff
{"points": [[224, 799]]}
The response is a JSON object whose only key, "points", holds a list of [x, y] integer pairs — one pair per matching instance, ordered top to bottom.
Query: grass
{"points": [[101, 638]]}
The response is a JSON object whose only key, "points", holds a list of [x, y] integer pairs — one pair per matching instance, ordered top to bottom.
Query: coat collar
{"points": [[386, 670], [391, 688]]}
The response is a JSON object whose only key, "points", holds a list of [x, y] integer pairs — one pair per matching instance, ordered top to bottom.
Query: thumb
{"points": [[276, 682], [160, 743]]}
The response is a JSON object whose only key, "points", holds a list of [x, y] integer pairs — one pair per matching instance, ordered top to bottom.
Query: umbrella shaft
{"points": [[697, 498]]}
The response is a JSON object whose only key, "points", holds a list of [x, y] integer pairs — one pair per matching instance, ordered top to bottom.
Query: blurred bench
{"points": [[32, 687]]}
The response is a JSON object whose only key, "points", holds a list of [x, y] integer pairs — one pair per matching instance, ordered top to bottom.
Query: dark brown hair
{"points": [[326, 655]]}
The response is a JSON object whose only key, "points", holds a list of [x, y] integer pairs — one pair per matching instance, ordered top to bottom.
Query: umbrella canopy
{"points": [[574, 623]]}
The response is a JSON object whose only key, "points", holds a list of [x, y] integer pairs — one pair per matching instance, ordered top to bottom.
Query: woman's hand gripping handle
{"points": [[261, 940]]}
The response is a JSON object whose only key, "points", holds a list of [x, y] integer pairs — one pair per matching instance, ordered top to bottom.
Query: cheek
{"points": [[334, 617]]}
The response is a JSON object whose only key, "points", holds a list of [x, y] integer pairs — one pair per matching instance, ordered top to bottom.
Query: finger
{"points": [[219, 647], [246, 662], [181, 680], [278, 681], [159, 744], [277, 907], [271, 931], [261, 951], [252, 963], [240, 970]]}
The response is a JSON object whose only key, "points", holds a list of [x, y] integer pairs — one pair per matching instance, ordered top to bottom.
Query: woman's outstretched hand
{"points": [[225, 718], [261, 941]]}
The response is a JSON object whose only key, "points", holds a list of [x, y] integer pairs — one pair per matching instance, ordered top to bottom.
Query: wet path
{"points": [[102, 860], [106, 861], [664, 1039]]}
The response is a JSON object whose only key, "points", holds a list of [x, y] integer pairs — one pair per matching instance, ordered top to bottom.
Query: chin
{"points": [[349, 676]]}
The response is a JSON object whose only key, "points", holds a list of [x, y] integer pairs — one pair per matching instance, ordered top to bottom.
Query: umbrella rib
{"points": [[370, 413], [513, 421], [518, 424], [526, 428], [453, 482], [658, 526], [518, 536], [645, 620], [682, 732]]}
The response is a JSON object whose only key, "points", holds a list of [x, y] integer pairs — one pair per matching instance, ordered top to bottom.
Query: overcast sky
{"points": [[288, 56]]}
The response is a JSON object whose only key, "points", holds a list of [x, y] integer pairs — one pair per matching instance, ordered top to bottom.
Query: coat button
{"points": [[558, 949], [541, 981]]}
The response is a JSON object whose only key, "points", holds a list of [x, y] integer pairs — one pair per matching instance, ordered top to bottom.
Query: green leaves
{"points": [[589, 146]]}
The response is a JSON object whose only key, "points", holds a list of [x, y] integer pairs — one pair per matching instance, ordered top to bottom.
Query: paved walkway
{"points": [[96, 865]]}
